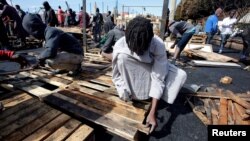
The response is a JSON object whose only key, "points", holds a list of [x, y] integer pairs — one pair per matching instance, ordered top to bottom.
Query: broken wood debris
{"points": [[231, 109]]}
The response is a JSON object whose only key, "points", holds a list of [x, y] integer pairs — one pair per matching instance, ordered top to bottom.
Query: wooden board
{"points": [[210, 56], [214, 64], [90, 96], [226, 107], [83, 111], [223, 112], [33, 120]]}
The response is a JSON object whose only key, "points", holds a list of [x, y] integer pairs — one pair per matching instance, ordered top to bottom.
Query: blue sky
{"points": [[33, 5]]}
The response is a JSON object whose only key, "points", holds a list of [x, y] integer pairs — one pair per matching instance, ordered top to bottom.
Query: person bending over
{"points": [[184, 32], [112, 37], [63, 51], [141, 69]]}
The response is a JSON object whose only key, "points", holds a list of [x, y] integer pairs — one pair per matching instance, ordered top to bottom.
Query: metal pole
{"points": [[102, 7], [90, 11], [122, 12], [164, 18], [84, 26]]}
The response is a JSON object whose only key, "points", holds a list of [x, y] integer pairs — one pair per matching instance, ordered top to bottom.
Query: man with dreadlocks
{"points": [[141, 70]]}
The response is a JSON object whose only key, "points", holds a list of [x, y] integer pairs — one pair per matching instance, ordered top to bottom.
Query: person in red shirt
{"points": [[60, 16], [12, 56]]}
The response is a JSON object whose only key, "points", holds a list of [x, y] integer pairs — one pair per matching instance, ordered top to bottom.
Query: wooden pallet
{"points": [[198, 39], [91, 96], [221, 108], [26, 118]]}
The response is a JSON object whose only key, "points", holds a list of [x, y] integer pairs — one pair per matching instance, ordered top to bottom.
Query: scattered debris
{"points": [[226, 80], [221, 107]]}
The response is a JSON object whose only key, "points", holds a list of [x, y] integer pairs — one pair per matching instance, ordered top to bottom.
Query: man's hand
{"points": [[20, 58], [151, 122]]}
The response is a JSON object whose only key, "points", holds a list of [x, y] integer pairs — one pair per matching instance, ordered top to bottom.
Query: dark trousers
{"points": [[3, 36]]}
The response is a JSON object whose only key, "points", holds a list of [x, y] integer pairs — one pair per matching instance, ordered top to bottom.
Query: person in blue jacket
{"points": [[211, 25], [62, 50]]}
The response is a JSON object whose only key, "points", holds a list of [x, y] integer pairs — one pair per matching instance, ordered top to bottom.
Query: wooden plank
{"points": [[210, 56], [214, 64], [57, 75], [106, 79], [52, 80], [101, 82], [92, 85], [36, 90], [217, 96], [16, 99], [112, 100], [238, 100], [104, 106], [16, 108], [208, 109], [82, 111], [248, 111], [214, 112], [223, 112], [242, 112], [201, 116], [230, 116], [238, 118], [8, 120], [125, 120], [23, 121], [39, 122], [32, 126], [48, 129], [64, 131], [81, 134], [16, 136]]}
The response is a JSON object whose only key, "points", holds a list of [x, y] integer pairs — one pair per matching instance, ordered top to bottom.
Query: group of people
{"points": [[11, 23], [225, 27], [183, 31], [140, 66], [141, 69]]}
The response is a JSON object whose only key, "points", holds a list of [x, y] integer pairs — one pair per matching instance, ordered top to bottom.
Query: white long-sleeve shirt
{"points": [[227, 25], [155, 60]]}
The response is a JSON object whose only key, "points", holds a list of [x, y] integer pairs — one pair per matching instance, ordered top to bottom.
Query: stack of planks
{"points": [[198, 39], [90, 96], [221, 107], [26, 118]]}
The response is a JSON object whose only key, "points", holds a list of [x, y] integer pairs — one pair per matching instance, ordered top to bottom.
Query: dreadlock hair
{"points": [[139, 34]]}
